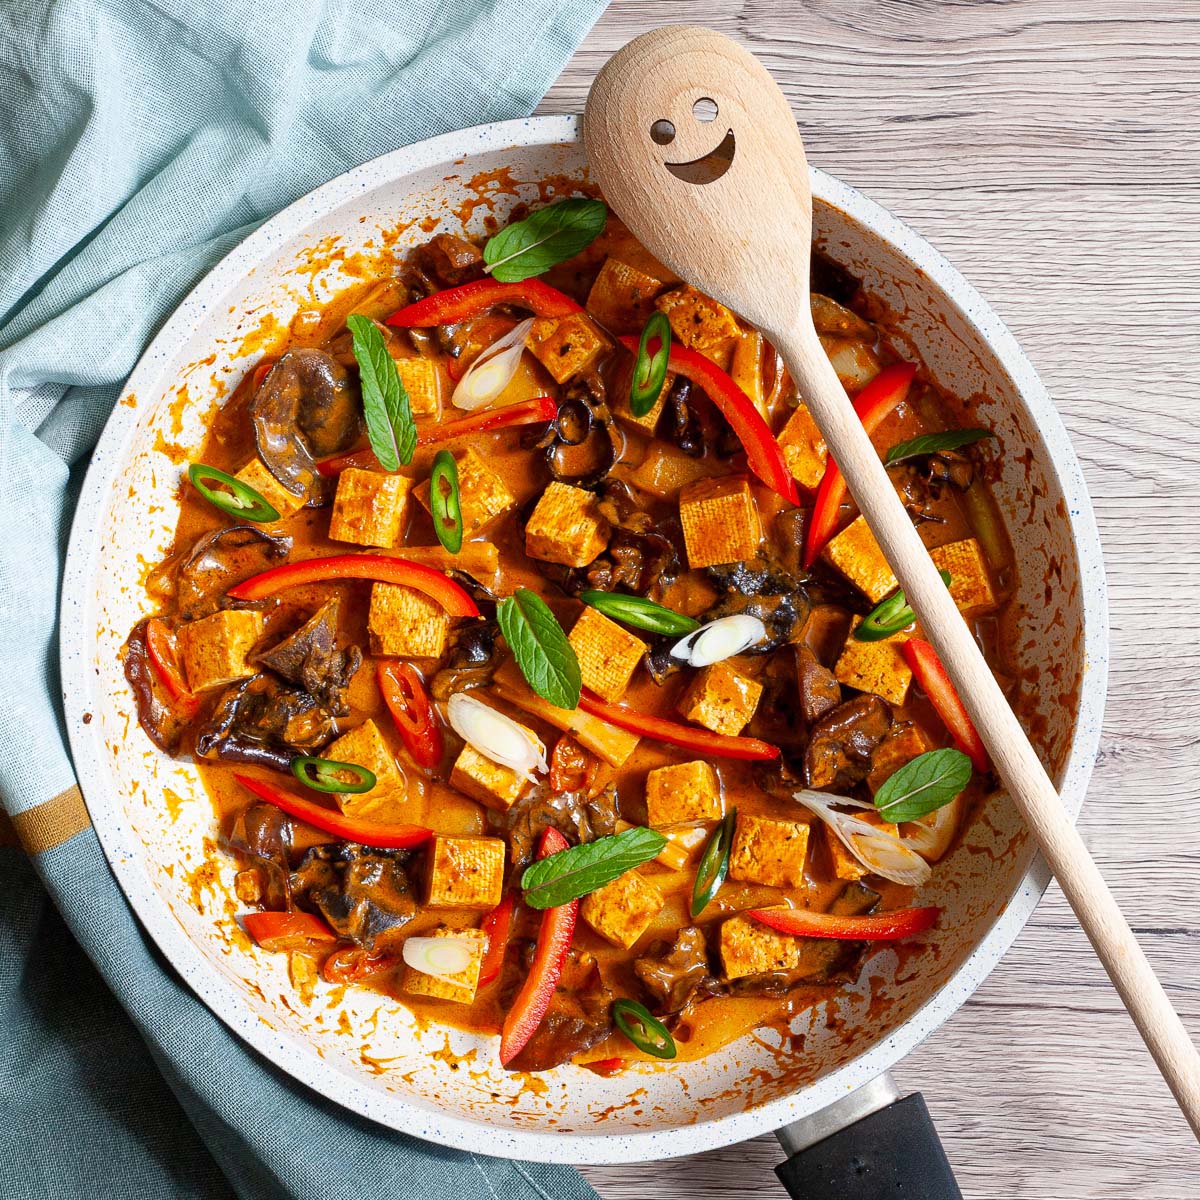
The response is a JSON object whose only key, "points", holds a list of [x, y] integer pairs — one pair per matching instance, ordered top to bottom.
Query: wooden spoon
{"points": [[696, 147]]}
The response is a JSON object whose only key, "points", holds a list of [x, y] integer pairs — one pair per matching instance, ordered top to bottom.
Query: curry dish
{"points": [[539, 666]]}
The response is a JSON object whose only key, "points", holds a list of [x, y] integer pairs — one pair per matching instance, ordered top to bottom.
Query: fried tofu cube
{"points": [[622, 298], [698, 321], [565, 346], [422, 382], [619, 400], [804, 449], [666, 471], [255, 475], [482, 494], [368, 508], [720, 521], [566, 527], [856, 553], [970, 580], [405, 623], [214, 650], [608, 655], [876, 667], [721, 699], [903, 743], [364, 746], [492, 784], [682, 793], [768, 851], [845, 865], [465, 872], [621, 911], [748, 947], [460, 987]]}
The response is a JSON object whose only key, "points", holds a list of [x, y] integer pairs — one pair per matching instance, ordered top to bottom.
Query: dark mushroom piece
{"points": [[451, 259], [584, 441], [218, 561], [310, 657], [818, 689], [162, 724], [841, 742], [576, 815], [264, 833], [672, 974]]}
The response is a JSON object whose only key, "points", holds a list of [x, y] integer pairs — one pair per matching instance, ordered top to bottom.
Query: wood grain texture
{"points": [[1051, 151]]}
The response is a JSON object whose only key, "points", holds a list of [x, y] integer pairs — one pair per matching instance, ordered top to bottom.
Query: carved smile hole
{"points": [[710, 167]]}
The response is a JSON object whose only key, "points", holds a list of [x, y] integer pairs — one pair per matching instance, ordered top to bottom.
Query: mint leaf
{"points": [[544, 239], [390, 424], [931, 443], [540, 647], [923, 785], [576, 872]]}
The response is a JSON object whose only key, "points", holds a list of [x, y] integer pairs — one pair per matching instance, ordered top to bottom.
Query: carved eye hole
{"points": [[705, 110], [662, 132]]}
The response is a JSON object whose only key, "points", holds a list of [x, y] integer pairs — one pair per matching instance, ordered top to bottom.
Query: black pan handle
{"points": [[891, 1153]]}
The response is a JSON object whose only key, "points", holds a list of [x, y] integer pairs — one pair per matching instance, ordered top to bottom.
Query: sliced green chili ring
{"points": [[650, 370], [241, 501], [445, 501], [639, 612], [889, 616], [328, 775], [714, 864], [645, 1031]]}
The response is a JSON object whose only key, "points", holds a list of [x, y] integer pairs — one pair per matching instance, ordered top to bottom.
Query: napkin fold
{"points": [[139, 142]]}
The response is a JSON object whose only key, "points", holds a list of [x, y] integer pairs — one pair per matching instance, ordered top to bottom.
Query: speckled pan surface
{"points": [[367, 1052]]}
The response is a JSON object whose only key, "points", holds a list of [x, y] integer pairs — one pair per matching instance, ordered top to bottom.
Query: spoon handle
{"points": [[1013, 756]]}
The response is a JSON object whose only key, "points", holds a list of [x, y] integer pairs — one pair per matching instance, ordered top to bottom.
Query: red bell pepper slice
{"points": [[471, 299], [874, 402], [524, 412], [763, 454], [382, 567], [160, 648], [929, 672], [407, 700], [703, 741], [368, 833], [498, 927], [878, 927], [287, 930], [554, 940], [353, 964], [606, 1066]]}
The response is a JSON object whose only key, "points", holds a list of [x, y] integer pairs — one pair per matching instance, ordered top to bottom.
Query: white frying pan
{"points": [[153, 819]]}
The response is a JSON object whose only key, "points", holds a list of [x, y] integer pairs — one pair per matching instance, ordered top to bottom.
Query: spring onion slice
{"points": [[650, 368], [488, 376], [240, 501], [445, 501], [639, 612], [889, 616], [719, 640], [496, 736], [329, 775], [714, 864], [441, 957], [646, 1032]]}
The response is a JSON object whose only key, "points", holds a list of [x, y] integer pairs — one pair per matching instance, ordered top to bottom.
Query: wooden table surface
{"points": [[1051, 150]]}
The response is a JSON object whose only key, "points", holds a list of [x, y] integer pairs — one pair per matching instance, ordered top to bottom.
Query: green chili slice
{"points": [[650, 369], [241, 501], [445, 501], [639, 612], [889, 616], [329, 775], [714, 864], [646, 1032]]}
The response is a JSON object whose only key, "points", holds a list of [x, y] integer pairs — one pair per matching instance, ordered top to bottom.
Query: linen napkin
{"points": [[140, 141]]}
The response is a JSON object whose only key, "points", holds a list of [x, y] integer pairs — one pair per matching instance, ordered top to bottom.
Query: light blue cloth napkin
{"points": [[138, 143]]}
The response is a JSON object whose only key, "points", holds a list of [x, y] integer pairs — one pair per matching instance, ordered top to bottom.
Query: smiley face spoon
{"points": [[696, 148]]}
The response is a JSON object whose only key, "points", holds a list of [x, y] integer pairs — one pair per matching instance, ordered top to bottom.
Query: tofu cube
{"points": [[622, 298], [696, 320], [565, 346], [422, 382], [618, 399], [804, 449], [255, 475], [483, 495], [368, 508], [720, 521], [566, 527], [856, 553], [970, 580], [405, 623], [215, 649], [608, 654], [876, 667], [721, 699], [903, 743], [364, 746], [491, 784], [682, 793], [682, 843], [768, 851], [845, 865], [465, 872], [621, 911], [750, 948], [461, 987]]}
